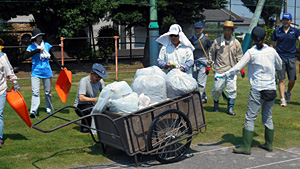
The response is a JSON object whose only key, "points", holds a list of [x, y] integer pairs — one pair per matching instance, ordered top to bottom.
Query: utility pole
{"points": [[285, 6], [230, 11], [295, 13], [153, 33], [247, 40]]}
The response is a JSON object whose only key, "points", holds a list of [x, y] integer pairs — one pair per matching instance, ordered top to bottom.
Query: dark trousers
{"points": [[86, 121]]}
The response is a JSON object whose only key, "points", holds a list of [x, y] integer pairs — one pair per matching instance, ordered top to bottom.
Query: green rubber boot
{"points": [[269, 134], [246, 146]]}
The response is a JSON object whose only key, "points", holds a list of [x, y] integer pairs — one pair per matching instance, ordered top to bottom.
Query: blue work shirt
{"points": [[286, 42], [40, 68]]}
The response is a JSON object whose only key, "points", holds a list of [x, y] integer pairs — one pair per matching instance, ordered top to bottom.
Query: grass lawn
{"points": [[67, 147]]}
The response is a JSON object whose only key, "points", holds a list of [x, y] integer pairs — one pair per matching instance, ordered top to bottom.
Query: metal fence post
{"points": [[62, 50], [116, 55]]}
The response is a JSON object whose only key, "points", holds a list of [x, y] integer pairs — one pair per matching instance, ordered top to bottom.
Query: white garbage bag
{"points": [[152, 70], [179, 83], [153, 86], [114, 90], [144, 101], [125, 104]]}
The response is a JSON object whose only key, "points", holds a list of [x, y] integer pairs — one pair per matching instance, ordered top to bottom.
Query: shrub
{"points": [[269, 33], [106, 45], [78, 48], [14, 54]]}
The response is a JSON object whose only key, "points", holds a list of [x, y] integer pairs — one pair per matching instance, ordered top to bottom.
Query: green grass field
{"points": [[67, 147]]}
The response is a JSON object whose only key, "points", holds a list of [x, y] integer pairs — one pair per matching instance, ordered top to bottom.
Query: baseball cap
{"points": [[287, 16], [198, 24], [174, 29], [258, 33], [100, 70]]}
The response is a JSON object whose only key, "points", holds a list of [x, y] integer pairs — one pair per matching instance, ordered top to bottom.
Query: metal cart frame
{"points": [[164, 130]]}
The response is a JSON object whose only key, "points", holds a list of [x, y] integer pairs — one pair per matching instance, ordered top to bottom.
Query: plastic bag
{"points": [[153, 70], [179, 83], [153, 86], [114, 90], [144, 101], [124, 105]]}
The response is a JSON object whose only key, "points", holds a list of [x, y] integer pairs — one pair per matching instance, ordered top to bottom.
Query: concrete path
{"points": [[211, 156]]}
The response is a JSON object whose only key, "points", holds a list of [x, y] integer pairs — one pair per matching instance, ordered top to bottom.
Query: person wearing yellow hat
{"points": [[226, 51], [6, 71]]}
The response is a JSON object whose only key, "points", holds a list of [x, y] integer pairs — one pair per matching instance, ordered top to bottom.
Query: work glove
{"points": [[171, 66], [62, 67], [207, 70], [243, 73], [16, 86]]}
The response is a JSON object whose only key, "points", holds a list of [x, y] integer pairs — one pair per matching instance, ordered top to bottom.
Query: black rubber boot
{"points": [[216, 106], [269, 134], [247, 141]]}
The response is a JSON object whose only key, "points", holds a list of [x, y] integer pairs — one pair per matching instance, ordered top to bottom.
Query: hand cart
{"points": [[164, 130]]}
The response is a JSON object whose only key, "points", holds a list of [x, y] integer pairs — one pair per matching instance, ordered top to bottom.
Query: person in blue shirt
{"points": [[286, 37], [40, 52], [262, 62]]}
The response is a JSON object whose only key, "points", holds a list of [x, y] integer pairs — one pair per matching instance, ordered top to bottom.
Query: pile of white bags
{"points": [[151, 82], [179, 83], [114, 91], [124, 105]]}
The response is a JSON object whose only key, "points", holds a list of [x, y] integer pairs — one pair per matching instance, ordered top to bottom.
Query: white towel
{"points": [[175, 29], [45, 55]]}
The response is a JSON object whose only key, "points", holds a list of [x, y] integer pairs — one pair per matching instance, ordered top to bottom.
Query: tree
{"points": [[270, 9], [136, 12], [59, 17], [106, 45]]}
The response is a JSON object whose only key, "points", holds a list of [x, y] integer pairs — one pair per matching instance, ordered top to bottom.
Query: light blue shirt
{"points": [[262, 65], [40, 68]]}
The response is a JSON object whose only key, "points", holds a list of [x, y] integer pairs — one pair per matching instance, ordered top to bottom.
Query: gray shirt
{"points": [[198, 52], [88, 89]]}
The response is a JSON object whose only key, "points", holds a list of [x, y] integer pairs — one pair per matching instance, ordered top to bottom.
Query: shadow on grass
{"points": [[211, 109], [14, 137], [230, 138], [82, 149]]}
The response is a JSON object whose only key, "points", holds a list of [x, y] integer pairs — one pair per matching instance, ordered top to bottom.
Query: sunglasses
{"points": [[173, 35], [97, 76]]}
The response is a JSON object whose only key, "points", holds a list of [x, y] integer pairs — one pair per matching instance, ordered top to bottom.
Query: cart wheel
{"points": [[169, 127]]}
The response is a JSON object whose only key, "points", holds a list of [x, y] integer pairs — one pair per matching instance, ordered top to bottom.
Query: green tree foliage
{"points": [[271, 8], [136, 12], [60, 17], [269, 33], [106, 45], [78, 48], [13, 54]]}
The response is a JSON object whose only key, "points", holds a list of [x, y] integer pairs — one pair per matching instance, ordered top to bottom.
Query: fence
{"points": [[86, 49]]}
